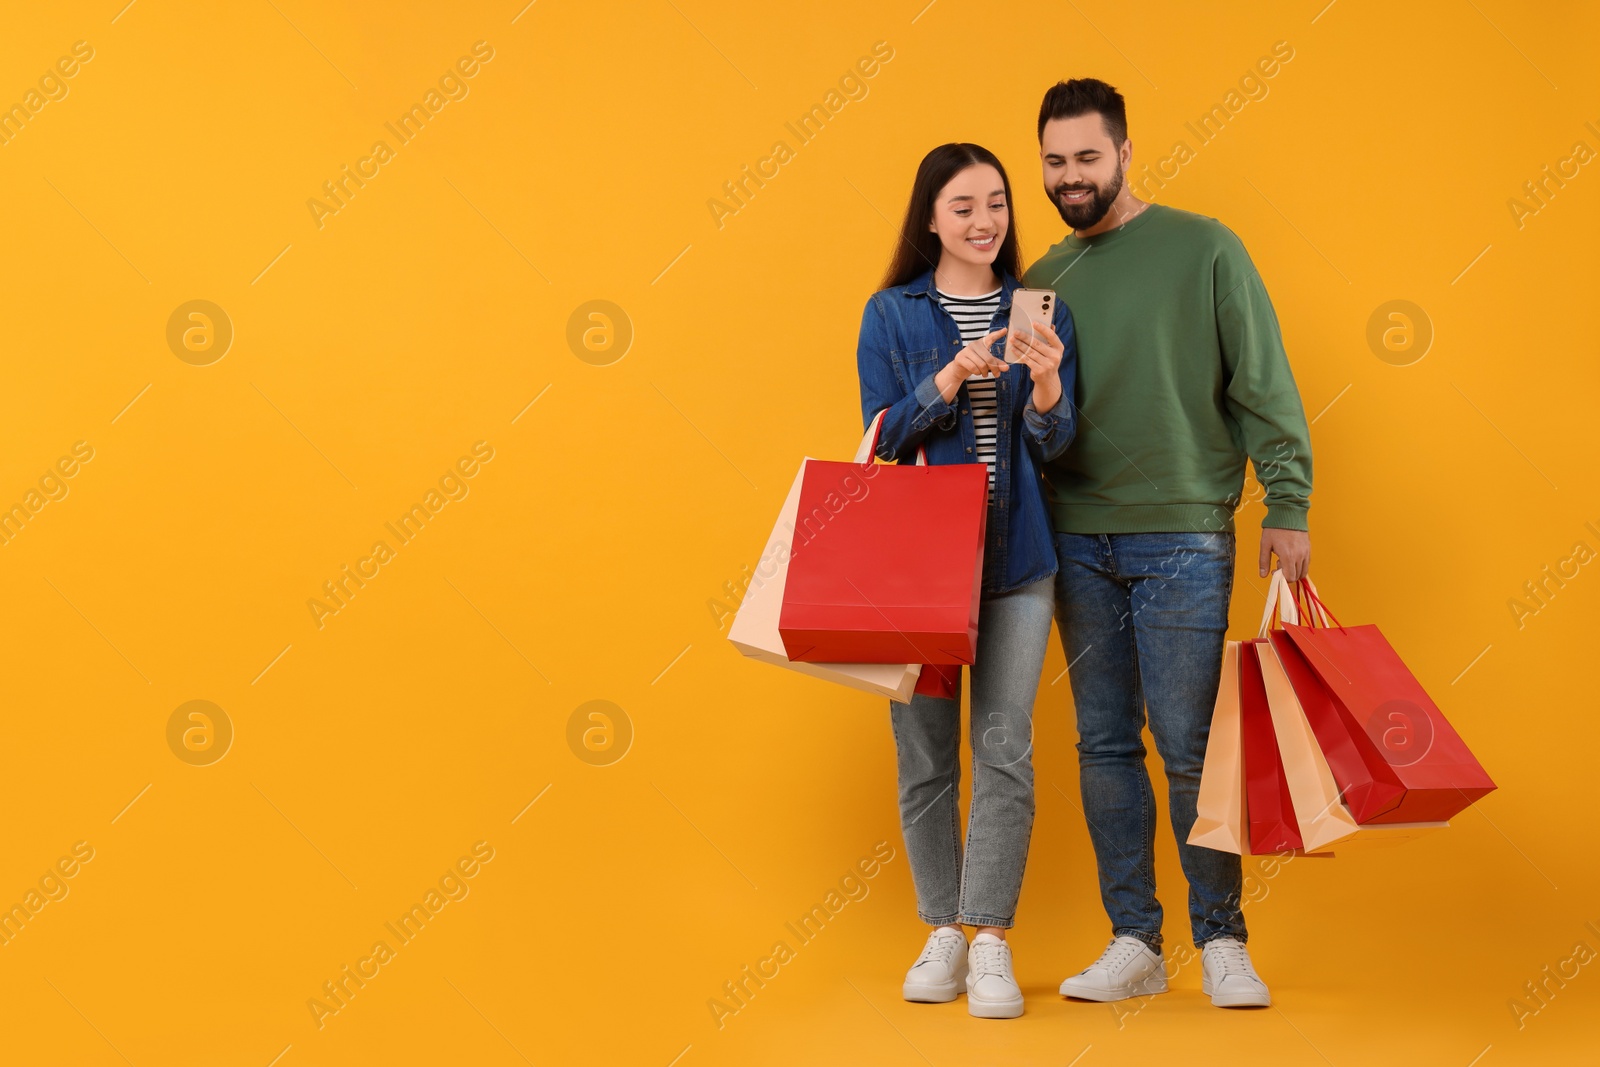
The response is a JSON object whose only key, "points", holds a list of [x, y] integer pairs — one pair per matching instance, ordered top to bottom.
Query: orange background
{"points": [[635, 871]]}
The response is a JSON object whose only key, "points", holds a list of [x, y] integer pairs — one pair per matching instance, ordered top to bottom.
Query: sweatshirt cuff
{"points": [[1285, 517]]}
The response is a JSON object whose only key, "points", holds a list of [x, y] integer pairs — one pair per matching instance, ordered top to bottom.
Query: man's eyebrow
{"points": [[1079, 152]]}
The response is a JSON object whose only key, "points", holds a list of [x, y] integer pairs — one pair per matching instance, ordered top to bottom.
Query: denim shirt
{"points": [[907, 335]]}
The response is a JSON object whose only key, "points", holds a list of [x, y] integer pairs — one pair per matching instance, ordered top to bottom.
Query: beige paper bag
{"points": [[755, 628], [1220, 817], [1323, 818], [1220, 821]]}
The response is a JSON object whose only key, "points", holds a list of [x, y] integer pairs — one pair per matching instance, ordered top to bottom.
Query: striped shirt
{"points": [[973, 314]]}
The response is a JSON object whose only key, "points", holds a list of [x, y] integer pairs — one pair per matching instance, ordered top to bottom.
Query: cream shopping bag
{"points": [[755, 629], [1322, 817], [1220, 818], [1220, 821]]}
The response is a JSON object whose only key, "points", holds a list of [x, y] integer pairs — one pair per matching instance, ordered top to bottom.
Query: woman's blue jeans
{"points": [[1143, 619], [979, 888]]}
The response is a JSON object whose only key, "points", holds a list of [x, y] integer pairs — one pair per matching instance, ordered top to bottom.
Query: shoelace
{"points": [[942, 949], [1115, 956], [990, 957], [1231, 957]]}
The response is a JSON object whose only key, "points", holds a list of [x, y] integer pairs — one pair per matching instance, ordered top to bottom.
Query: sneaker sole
{"points": [[1145, 987], [930, 994], [1237, 1000], [993, 1009]]}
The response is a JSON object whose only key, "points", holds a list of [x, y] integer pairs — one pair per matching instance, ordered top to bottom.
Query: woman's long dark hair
{"points": [[918, 248]]}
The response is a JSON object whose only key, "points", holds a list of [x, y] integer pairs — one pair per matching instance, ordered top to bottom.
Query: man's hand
{"points": [[1293, 549]]}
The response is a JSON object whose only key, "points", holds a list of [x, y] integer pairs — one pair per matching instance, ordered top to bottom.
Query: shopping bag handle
{"points": [[869, 442], [1279, 596], [1286, 598], [1314, 599], [1312, 613]]}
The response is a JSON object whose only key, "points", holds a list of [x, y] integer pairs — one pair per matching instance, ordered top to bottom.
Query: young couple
{"points": [[1116, 450]]}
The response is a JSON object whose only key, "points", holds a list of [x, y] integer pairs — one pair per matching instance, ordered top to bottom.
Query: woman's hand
{"points": [[1042, 352], [974, 358]]}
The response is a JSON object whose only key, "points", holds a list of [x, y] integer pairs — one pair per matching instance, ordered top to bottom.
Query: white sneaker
{"points": [[1127, 968], [937, 975], [1228, 977], [992, 992]]}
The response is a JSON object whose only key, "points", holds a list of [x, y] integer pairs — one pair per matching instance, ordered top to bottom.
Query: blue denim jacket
{"points": [[906, 337]]}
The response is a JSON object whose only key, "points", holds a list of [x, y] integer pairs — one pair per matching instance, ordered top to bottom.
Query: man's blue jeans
{"points": [[1143, 619]]}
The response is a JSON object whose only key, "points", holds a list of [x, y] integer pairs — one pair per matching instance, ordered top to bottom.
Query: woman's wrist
{"points": [[1048, 402]]}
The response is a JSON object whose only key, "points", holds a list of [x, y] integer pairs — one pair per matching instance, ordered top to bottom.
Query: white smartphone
{"points": [[1027, 307]]}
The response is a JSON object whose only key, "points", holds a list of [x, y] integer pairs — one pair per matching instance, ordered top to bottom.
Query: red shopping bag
{"points": [[887, 562], [755, 628], [940, 680], [1393, 754], [1367, 784], [1268, 805]]}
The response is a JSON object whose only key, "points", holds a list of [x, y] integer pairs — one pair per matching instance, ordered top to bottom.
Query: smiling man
{"points": [[1181, 377]]}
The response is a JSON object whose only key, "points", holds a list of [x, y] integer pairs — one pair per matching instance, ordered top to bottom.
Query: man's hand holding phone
{"points": [[973, 359]]}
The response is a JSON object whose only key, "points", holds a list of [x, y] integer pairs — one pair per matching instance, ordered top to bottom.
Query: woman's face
{"points": [[970, 215]]}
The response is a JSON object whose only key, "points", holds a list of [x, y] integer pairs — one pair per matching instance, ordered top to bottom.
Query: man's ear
{"points": [[1126, 153]]}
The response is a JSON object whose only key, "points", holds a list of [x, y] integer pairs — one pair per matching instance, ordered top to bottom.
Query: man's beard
{"points": [[1083, 215]]}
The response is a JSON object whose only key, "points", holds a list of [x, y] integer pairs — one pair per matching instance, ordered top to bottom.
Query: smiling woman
{"points": [[932, 381]]}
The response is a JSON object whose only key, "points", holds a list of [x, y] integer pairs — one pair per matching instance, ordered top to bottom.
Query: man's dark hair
{"points": [[1080, 96]]}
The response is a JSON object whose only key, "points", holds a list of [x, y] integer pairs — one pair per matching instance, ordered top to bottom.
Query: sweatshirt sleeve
{"points": [[1260, 394]]}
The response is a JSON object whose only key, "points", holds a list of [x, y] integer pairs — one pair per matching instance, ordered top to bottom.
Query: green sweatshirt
{"points": [[1181, 375]]}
